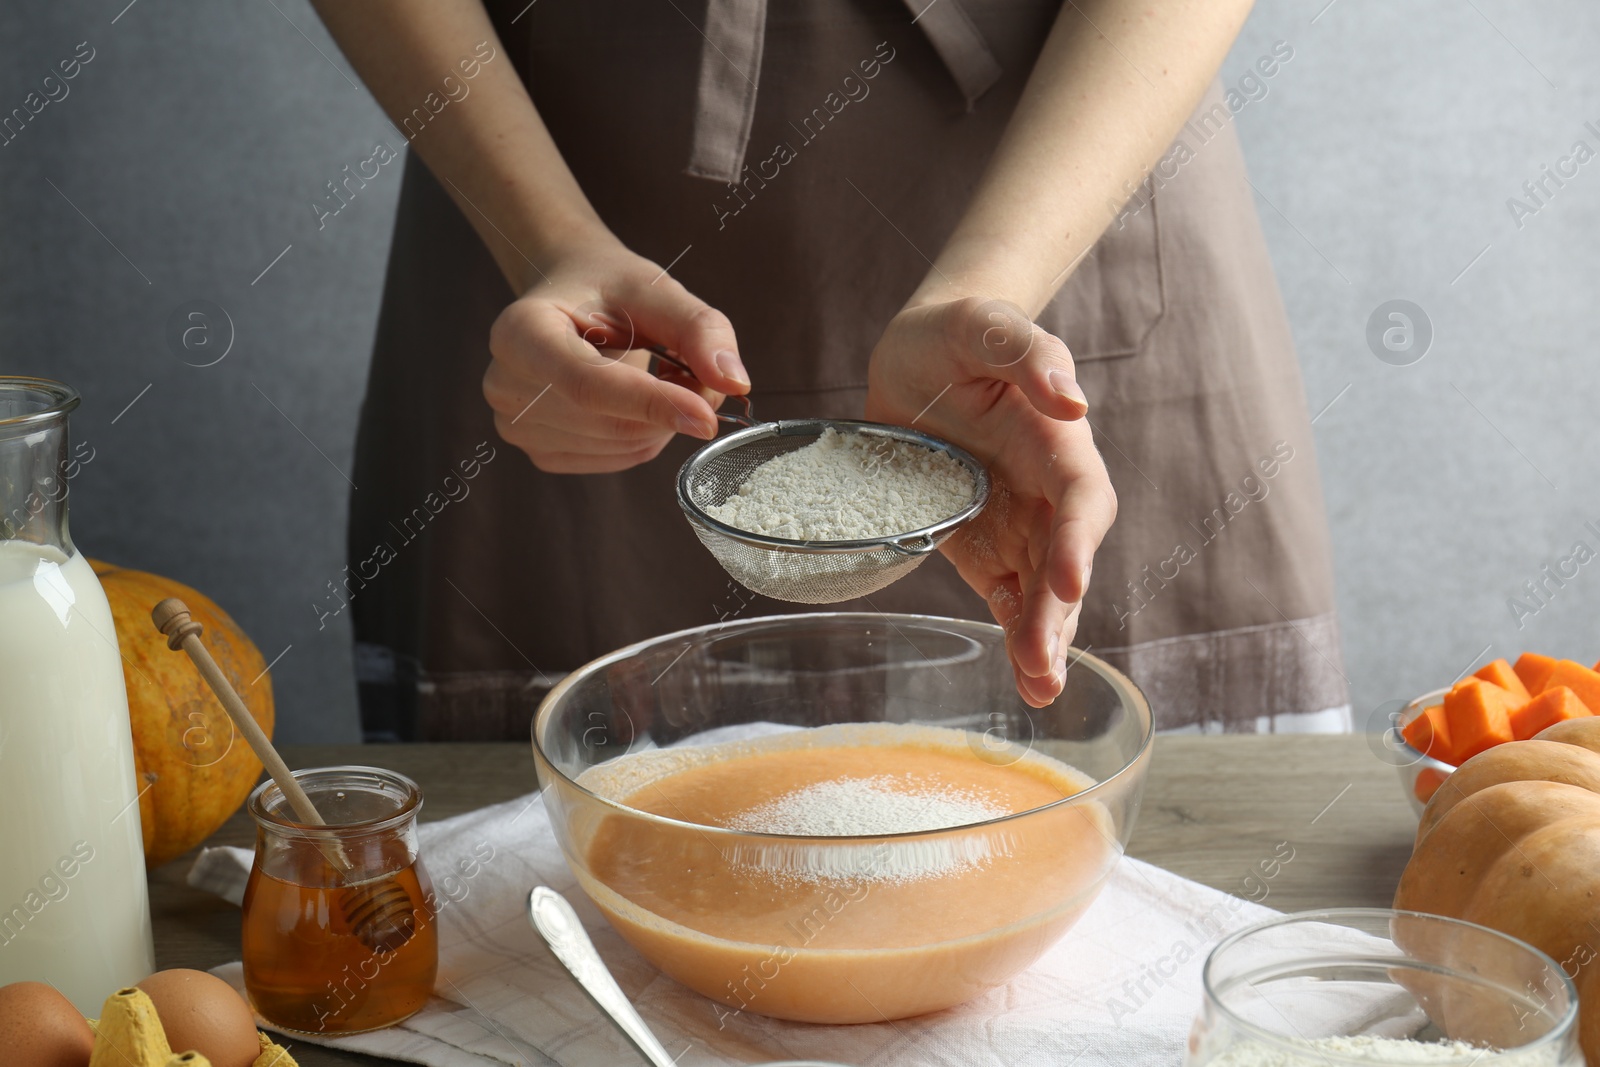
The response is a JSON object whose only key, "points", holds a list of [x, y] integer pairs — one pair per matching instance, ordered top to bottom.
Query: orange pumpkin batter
{"points": [[843, 930]]}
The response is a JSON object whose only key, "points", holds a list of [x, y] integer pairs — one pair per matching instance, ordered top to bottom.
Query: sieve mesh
{"points": [[809, 572]]}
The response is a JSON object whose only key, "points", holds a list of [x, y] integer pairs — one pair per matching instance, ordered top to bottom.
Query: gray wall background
{"points": [[183, 163]]}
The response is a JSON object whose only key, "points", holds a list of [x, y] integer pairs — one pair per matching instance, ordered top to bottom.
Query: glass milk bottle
{"points": [[74, 910]]}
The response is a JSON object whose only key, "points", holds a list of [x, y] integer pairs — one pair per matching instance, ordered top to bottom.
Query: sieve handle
{"points": [[746, 417], [916, 546]]}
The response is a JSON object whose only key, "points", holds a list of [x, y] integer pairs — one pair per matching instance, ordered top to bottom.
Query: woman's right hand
{"points": [[569, 378]]}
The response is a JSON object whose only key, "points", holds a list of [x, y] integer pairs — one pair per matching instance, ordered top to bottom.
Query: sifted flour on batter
{"points": [[848, 487], [859, 807]]}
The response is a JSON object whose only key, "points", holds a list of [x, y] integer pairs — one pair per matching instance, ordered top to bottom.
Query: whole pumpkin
{"points": [[194, 771], [1511, 841]]}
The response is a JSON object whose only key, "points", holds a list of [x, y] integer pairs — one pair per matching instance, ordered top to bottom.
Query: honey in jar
{"points": [[339, 930]]}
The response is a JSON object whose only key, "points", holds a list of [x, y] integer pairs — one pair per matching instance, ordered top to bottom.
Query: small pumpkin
{"points": [[194, 771], [1511, 841]]}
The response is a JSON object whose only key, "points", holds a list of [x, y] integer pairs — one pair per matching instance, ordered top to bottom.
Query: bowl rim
{"points": [[1075, 656], [1566, 1025]]}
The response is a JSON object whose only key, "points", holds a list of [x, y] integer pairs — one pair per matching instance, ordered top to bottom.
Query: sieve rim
{"points": [[905, 542]]}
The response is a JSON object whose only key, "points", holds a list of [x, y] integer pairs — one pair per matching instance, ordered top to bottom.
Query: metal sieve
{"points": [[805, 572]]}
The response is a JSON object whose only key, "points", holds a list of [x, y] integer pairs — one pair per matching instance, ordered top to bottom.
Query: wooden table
{"points": [[1214, 809]]}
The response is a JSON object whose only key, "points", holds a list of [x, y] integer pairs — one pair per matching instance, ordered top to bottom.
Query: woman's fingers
{"points": [[668, 314], [996, 339], [535, 344], [570, 381], [628, 392], [1015, 401], [554, 439], [588, 463], [1080, 507], [1083, 507], [1080, 526], [1018, 556], [1034, 569], [1010, 609], [1039, 625], [1036, 646], [1039, 691]]}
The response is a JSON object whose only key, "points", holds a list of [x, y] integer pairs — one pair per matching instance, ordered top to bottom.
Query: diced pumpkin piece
{"points": [[1534, 669], [1501, 673], [1578, 678], [1473, 680], [1556, 704], [1478, 717], [1429, 734], [1429, 779]]}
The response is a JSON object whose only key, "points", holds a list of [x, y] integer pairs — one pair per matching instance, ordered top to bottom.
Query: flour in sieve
{"points": [[848, 487], [860, 807]]}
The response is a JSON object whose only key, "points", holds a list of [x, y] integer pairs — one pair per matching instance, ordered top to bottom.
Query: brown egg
{"points": [[200, 1011], [40, 1028]]}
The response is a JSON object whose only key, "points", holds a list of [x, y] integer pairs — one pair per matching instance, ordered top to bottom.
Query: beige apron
{"points": [[476, 579]]}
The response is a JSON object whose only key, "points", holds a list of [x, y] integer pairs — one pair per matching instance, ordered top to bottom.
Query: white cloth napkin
{"points": [[1122, 987]]}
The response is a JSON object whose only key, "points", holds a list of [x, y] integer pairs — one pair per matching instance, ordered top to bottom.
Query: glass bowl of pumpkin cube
{"points": [[1498, 703]]}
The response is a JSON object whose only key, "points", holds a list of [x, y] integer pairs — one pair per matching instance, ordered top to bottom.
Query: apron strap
{"points": [[965, 53], [730, 68]]}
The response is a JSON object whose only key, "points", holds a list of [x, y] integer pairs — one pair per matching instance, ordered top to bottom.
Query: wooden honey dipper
{"points": [[378, 913]]}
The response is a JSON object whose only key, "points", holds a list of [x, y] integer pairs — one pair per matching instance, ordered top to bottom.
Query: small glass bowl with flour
{"points": [[817, 511], [1377, 986]]}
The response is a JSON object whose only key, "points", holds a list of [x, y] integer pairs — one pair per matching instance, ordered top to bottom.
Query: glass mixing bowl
{"points": [[1421, 775], [840, 929], [1365, 985]]}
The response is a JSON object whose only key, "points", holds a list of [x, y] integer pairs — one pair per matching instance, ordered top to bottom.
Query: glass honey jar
{"points": [[339, 930]]}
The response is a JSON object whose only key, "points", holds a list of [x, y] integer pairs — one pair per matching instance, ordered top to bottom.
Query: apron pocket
{"points": [[1116, 295]]}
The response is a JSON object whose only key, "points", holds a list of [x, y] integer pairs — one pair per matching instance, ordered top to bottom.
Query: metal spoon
{"points": [[558, 924]]}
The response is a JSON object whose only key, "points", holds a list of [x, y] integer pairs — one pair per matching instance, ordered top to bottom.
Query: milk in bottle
{"points": [[73, 901]]}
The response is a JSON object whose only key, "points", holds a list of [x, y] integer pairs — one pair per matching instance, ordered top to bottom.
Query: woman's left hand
{"points": [[980, 374]]}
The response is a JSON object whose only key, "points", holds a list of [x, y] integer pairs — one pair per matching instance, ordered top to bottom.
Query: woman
{"points": [[879, 198]]}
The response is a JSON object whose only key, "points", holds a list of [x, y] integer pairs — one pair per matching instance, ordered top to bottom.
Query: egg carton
{"points": [[129, 1034]]}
